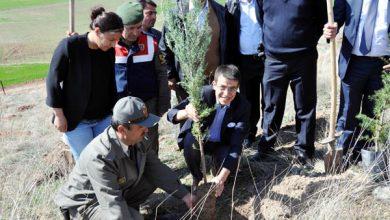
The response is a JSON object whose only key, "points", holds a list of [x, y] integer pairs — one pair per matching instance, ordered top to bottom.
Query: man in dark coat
{"points": [[291, 32], [365, 42], [245, 45], [215, 55], [226, 127]]}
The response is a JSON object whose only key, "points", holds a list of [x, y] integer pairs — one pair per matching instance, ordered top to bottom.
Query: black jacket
{"points": [[233, 14], [292, 27], [173, 65], [68, 83], [234, 127]]}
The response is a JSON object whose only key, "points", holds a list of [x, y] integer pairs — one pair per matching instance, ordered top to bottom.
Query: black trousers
{"points": [[252, 69], [300, 72], [363, 78], [217, 151]]}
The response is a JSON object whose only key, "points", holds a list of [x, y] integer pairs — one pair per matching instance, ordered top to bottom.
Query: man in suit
{"points": [[214, 14], [150, 16], [291, 31], [245, 40], [365, 41], [227, 126], [118, 170]]}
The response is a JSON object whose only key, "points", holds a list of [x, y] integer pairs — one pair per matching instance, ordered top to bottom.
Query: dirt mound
{"points": [[25, 108], [60, 157]]}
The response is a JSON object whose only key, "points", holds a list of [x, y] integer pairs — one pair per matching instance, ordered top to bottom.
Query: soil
{"points": [[275, 188]]}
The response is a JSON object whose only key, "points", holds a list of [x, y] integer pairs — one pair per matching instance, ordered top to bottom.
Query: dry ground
{"points": [[32, 164], [32, 168]]}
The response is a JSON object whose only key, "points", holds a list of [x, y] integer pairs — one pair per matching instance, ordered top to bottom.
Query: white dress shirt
{"points": [[250, 30], [380, 41]]}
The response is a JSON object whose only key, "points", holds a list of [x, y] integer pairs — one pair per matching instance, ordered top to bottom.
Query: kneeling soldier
{"points": [[117, 171]]}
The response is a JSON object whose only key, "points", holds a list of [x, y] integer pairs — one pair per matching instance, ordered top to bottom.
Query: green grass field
{"points": [[11, 4], [14, 74]]}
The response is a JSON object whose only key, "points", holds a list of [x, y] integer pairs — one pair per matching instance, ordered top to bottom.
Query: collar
{"points": [[191, 5], [150, 33], [133, 48], [217, 104], [116, 148]]}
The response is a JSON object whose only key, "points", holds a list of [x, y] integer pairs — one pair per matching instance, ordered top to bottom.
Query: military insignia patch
{"points": [[141, 47], [161, 58], [122, 180]]}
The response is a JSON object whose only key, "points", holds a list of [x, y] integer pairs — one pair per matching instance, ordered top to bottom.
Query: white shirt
{"points": [[202, 17], [250, 30], [380, 45]]}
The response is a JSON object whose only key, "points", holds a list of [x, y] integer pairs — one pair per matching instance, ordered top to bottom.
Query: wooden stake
{"points": [[71, 16]]}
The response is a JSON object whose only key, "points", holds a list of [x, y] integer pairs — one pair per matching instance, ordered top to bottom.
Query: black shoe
{"points": [[247, 143], [260, 155], [301, 157]]}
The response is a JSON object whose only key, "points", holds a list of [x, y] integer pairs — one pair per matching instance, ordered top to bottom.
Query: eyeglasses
{"points": [[227, 88]]}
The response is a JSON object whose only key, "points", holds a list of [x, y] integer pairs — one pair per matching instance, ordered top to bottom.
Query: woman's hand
{"points": [[60, 121]]}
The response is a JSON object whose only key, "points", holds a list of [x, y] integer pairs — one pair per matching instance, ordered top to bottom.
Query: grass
{"points": [[12, 4], [15, 74]]}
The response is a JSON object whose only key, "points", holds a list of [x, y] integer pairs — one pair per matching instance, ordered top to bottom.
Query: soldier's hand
{"points": [[330, 31], [386, 67], [172, 84], [192, 113], [189, 200]]}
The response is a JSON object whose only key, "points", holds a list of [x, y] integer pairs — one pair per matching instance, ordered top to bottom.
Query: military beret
{"points": [[130, 12]]}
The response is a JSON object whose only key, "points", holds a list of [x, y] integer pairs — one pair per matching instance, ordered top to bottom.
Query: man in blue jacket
{"points": [[291, 30], [365, 41], [138, 70]]}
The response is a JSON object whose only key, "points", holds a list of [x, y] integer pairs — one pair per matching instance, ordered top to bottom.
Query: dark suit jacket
{"points": [[348, 12], [233, 14], [292, 27], [173, 64], [68, 83], [234, 126]]}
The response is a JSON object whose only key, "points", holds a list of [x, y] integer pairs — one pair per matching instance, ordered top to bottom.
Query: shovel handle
{"points": [[71, 16], [333, 101]]}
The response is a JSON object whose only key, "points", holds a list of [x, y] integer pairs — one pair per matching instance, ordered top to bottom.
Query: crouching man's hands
{"points": [[188, 112], [220, 180], [189, 200]]}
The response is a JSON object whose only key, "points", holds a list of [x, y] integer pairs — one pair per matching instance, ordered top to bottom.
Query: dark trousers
{"points": [[252, 69], [300, 72], [363, 78], [181, 94], [217, 151], [134, 197]]}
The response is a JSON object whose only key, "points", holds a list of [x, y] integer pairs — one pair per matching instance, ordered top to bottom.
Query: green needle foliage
{"points": [[189, 41], [377, 125]]}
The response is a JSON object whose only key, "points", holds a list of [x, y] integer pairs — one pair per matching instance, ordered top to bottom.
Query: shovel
{"points": [[333, 157]]}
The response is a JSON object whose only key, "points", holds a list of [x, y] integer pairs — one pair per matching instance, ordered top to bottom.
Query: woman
{"points": [[81, 81]]}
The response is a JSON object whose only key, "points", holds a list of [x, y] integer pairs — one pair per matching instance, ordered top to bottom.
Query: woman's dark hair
{"points": [[106, 21]]}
